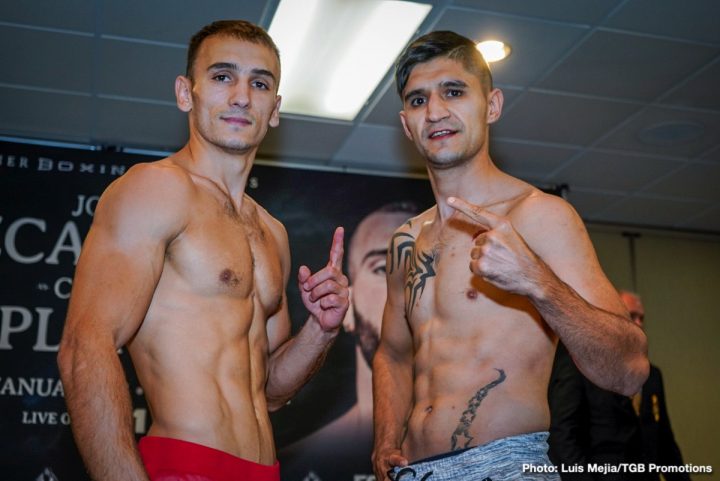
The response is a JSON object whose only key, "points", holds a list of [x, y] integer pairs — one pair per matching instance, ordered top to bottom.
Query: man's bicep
{"points": [[569, 252], [120, 263], [113, 286], [112, 290], [278, 326], [395, 331], [396, 337]]}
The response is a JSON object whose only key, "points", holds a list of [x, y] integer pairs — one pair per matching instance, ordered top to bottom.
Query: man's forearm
{"points": [[609, 349], [295, 362], [392, 399], [99, 404]]}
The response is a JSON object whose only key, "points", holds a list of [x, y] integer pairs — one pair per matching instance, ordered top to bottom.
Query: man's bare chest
{"points": [[222, 253], [439, 284]]}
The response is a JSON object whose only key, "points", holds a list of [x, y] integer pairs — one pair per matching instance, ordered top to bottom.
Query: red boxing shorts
{"points": [[168, 459]]}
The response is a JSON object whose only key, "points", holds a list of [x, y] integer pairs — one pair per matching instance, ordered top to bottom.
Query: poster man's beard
{"points": [[366, 336]]}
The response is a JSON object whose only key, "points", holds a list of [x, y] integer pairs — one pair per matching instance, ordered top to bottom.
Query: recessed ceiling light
{"points": [[494, 50], [335, 52]]}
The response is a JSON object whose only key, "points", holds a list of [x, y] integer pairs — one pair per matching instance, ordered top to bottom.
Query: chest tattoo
{"points": [[419, 266], [468, 416]]}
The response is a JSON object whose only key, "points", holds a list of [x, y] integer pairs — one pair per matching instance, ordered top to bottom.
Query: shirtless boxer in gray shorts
{"points": [[465, 353]]}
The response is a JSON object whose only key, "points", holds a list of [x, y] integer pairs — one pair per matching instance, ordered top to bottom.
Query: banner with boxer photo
{"points": [[47, 200]]}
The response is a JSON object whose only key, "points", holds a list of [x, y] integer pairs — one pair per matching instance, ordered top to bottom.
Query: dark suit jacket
{"points": [[591, 425]]}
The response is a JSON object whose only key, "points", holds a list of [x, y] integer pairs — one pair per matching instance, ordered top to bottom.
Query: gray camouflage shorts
{"points": [[516, 457]]}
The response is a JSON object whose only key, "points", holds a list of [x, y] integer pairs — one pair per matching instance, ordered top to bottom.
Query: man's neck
{"points": [[229, 171], [475, 181]]}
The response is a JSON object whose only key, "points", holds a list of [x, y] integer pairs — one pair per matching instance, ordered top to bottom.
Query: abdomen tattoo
{"points": [[468, 416]]}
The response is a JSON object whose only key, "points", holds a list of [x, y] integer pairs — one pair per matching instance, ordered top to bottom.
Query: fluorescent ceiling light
{"points": [[493, 50], [335, 52]]}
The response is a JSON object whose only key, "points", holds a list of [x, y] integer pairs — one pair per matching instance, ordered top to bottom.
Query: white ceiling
{"points": [[618, 99]]}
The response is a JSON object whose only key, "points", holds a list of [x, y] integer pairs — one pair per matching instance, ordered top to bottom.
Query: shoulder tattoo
{"points": [[419, 266]]}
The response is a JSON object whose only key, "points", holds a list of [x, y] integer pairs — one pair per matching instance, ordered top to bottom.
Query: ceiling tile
{"points": [[582, 11], [68, 14], [689, 19], [171, 20], [535, 44], [56, 55], [46, 59], [612, 64], [139, 70], [700, 92], [510, 94], [386, 110], [45, 115], [561, 118], [138, 124], [667, 129], [297, 138], [383, 148], [712, 155], [530, 162], [614, 171], [694, 181], [588, 204], [650, 212], [708, 220]]}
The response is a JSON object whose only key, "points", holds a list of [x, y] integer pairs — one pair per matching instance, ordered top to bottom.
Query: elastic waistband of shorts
{"points": [[536, 442], [167, 455]]}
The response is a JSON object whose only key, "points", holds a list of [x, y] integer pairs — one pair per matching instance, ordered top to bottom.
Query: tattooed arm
{"points": [[542, 251], [392, 366]]}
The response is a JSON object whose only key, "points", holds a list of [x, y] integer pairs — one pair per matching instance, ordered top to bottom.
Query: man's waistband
{"points": [[522, 444], [167, 456]]}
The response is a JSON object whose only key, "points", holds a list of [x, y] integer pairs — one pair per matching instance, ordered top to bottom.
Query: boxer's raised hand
{"points": [[325, 293]]}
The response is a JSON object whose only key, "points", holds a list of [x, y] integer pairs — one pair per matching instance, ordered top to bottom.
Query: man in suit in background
{"points": [[591, 425]]}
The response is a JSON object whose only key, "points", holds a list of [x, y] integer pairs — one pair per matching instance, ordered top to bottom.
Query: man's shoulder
{"points": [[165, 172], [160, 182], [154, 194], [536, 203], [539, 211], [412, 226], [550, 226]]}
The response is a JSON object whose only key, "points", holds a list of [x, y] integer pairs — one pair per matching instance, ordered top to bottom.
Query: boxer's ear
{"points": [[183, 93]]}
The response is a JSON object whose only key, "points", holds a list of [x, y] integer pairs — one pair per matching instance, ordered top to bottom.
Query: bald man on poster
{"points": [[480, 288]]}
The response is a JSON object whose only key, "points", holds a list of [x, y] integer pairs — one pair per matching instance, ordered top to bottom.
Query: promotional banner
{"points": [[47, 200]]}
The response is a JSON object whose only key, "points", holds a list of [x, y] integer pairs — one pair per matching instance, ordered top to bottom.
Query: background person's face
{"points": [[367, 276], [635, 307]]}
